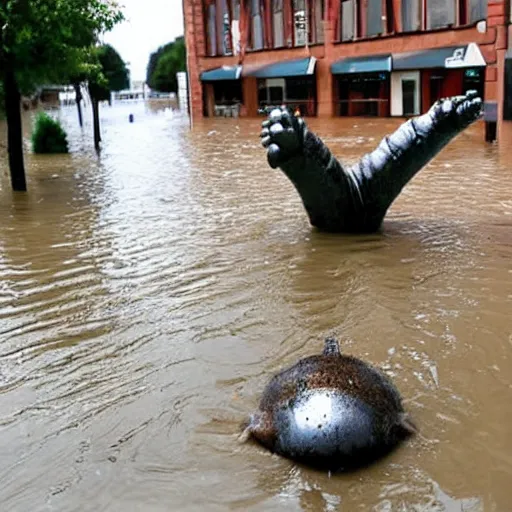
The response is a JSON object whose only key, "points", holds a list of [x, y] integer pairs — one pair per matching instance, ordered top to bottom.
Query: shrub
{"points": [[48, 136]]}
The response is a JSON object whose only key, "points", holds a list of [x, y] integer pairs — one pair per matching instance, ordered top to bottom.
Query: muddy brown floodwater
{"points": [[147, 296]]}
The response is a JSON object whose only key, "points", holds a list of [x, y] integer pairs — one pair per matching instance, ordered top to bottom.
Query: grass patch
{"points": [[48, 135]]}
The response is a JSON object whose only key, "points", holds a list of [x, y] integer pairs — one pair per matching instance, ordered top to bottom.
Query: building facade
{"points": [[347, 57], [507, 107]]}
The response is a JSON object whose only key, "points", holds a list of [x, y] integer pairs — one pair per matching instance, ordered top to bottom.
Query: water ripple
{"points": [[147, 295]]}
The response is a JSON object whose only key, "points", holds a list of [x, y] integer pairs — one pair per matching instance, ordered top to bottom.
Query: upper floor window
{"points": [[477, 10], [440, 13], [411, 15], [374, 18], [348, 20], [299, 22], [278, 23], [256, 25], [219, 26], [316, 26], [211, 32]]}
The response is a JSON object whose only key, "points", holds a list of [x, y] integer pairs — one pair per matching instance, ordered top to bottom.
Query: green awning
{"points": [[463, 56], [366, 64], [282, 69], [222, 73]]}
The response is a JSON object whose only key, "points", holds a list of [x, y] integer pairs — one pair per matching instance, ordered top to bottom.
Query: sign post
{"points": [[491, 120]]}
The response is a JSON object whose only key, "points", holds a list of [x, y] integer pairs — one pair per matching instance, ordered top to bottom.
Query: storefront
{"points": [[420, 78], [290, 82], [362, 86], [222, 91]]}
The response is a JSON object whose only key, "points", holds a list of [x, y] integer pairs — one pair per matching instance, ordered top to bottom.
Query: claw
{"points": [[275, 115], [287, 119], [276, 129], [266, 141], [273, 155]]}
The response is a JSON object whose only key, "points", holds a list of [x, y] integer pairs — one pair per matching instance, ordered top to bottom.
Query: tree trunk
{"points": [[78, 94], [96, 123], [14, 131]]}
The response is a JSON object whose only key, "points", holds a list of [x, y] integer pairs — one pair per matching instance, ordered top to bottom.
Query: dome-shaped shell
{"points": [[330, 410]]}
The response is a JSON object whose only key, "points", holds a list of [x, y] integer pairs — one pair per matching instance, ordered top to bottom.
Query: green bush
{"points": [[48, 136]]}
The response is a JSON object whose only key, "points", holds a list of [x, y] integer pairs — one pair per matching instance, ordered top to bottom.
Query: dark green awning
{"points": [[463, 56], [366, 64], [296, 67], [222, 73]]}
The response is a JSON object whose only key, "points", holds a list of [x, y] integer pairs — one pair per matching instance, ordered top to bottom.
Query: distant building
{"points": [[347, 57], [138, 91]]}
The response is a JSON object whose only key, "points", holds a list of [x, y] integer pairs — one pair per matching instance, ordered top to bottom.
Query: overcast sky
{"points": [[149, 24]]}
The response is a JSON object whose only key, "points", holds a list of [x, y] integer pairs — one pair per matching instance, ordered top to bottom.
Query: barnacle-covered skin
{"points": [[356, 198], [330, 411]]}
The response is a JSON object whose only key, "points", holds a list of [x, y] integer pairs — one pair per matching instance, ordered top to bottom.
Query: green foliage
{"points": [[43, 40], [164, 64], [113, 68], [107, 72], [48, 135]]}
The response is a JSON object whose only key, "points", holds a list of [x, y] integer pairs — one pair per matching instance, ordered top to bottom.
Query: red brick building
{"points": [[347, 57]]}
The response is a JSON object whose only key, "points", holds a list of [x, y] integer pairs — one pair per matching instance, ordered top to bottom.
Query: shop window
{"points": [[440, 13], [411, 15], [374, 18], [348, 20], [299, 21], [278, 23], [474, 79], [436, 86], [300, 88], [271, 91], [228, 92], [365, 94], [410, 97], [507, 105]]}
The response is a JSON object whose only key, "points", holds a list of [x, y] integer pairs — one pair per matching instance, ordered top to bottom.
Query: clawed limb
{"points": [[356, 198]]}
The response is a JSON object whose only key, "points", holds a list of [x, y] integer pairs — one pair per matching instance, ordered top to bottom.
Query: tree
{"points": [[41, 41], [164, 64], [110, 75], [2, 100]]}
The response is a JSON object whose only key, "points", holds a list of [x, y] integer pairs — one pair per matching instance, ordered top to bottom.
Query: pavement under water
{"points": [[148, 294]]}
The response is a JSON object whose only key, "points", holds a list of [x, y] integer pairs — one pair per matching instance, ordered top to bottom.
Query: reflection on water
{"points": [[148, 294]]}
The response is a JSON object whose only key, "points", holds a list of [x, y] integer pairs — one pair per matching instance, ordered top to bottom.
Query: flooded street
{"points": [[148, 295]]}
